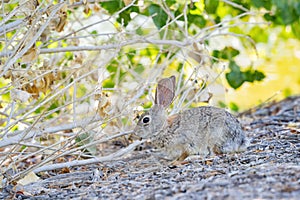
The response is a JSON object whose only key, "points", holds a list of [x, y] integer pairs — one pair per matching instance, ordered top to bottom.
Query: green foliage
{"points": [[170, 2], [262, 3], [112, 6], [115, 6], [211, 6], [281, 12], [159, 16], [196, 19], [296, 28], [94, 32], [258, 34], [227, 53], [139, 68], [236, 77], [221, 104], [233, 106]]}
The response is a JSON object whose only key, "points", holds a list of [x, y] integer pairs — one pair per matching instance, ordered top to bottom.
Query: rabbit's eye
{"points": [[146, 119]]}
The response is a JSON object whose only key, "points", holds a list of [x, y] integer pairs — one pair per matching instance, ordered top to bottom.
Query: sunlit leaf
{"points": [[211, 6], [296, 28], [94, 32], [258, 34], [108, 83], [233, 106]]}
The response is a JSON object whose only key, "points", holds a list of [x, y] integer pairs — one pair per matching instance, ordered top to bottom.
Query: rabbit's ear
{"points": [[165, 91]]}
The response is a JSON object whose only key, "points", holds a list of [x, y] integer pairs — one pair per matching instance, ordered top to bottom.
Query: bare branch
{"points": [[10, 27], [17, 55], [24, 135], [111, 157]]}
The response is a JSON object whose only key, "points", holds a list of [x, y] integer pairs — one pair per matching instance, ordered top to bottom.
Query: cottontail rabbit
{"points": [[199, 131]]}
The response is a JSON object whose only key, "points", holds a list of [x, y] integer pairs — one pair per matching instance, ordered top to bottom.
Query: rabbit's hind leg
{"points": [[181, 159]]}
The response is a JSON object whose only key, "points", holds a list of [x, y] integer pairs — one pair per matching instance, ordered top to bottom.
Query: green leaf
{"points": [[170, 2], [243, 3], [262, 3], [112, 6], [211, 6], [297, 8], [285, 12], [177, 13], [159, 16], [287, 16], [124, 17], [269, 17], [218, 19], [198, 20], [296, 29], [140, 31], [94, 32], [258, 34], [227, 53], [131, 55], [180, 66], [233, 66], [112, 67], [139, 68], [235, 76], [251, 76], [108, 83], [287, 92], [221, 104], [54, 105], [233, 106]]}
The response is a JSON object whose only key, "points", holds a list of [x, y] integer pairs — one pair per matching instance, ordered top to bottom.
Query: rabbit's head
{"points": [[154, 121], [151, 122]]}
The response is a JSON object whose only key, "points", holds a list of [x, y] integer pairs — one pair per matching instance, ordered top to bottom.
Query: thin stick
{"points": [[111, 157]]}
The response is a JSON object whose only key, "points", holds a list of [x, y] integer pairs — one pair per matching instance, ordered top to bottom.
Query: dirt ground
{"points": [[269, 169]]}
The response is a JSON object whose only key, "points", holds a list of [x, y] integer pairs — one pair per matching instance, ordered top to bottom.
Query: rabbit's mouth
{"points": [[134, 136]]}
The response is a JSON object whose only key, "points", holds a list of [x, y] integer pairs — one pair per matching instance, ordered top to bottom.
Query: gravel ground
{"points": [[269, 169]]}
